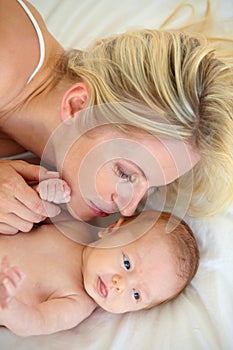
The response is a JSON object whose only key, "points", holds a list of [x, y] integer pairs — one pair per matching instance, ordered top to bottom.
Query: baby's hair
{"points": [[184, 249]]}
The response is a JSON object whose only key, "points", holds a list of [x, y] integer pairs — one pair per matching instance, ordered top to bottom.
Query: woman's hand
{"points": [[20, 204]]}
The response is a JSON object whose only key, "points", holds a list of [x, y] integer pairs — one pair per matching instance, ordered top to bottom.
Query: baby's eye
{"points": [[126, 262], [136, 294]]}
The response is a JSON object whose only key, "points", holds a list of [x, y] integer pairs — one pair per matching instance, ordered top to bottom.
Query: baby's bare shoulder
{"points": [[73, 291]]}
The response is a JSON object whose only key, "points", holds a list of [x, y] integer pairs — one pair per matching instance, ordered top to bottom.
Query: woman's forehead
{"points": [[107, 131], [145, 151], [161, 159]]}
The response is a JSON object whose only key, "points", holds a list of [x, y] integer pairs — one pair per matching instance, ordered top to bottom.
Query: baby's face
{"points": [[130, 277]]}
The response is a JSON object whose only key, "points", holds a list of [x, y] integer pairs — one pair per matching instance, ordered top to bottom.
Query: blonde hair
{"points": [[176, 84], [184, 248]]}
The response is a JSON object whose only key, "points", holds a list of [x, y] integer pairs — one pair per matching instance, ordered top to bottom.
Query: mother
{"points": [[141, 110]]}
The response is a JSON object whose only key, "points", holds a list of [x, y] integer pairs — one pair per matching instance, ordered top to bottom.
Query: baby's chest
{"points": [[49, 282]]}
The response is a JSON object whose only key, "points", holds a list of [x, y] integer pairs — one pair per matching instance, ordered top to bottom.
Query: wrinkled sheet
{"points": [[202, 316]]}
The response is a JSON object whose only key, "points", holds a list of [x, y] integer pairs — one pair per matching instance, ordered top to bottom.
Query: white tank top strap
{"points": [[40, 38]]}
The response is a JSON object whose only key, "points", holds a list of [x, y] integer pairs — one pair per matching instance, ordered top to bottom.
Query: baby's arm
{"points": [[54, 190], [51, 316]]}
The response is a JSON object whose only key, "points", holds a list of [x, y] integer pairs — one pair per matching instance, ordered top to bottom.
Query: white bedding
{"points": [[201, 318]]}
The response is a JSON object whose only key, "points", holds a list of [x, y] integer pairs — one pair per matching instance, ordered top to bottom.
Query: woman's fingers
{"points": [[31, 172], [20, 205], [34, 206], [12, 230]]}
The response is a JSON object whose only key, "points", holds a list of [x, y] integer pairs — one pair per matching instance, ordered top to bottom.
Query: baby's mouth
{"points": [[101, 288]]}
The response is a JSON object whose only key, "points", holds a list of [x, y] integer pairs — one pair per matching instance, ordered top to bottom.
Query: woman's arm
{"points": [[9, 147]]}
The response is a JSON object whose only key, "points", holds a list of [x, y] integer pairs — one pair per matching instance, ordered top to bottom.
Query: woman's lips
{"points": [[98, 211], [101, 288]]}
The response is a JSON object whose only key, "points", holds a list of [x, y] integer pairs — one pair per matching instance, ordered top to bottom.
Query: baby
{"points": [[49, 282]]}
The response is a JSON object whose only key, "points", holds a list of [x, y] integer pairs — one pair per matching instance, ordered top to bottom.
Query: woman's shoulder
{"points": [[24, 40], [19, 49]]}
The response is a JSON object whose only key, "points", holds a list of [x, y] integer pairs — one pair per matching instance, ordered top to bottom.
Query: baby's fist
{"points": [[54, 190]]}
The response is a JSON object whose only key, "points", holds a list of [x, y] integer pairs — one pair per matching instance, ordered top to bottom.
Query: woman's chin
{"points": [[79, 214]]}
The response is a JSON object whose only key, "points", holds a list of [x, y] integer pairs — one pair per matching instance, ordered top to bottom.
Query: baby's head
{"points": [[183, 249], [137, 264]]}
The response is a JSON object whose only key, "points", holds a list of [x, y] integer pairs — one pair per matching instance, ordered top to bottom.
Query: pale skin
{"points": [[29, 126], [20, 206], [119, 278]]}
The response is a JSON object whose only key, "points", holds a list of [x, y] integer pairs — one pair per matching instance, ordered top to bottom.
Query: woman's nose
{"points": [[128, 204], [130, 208], [118, 283]]}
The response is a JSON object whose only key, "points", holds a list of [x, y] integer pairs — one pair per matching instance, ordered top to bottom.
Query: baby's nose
{"points": [[118, 283]]}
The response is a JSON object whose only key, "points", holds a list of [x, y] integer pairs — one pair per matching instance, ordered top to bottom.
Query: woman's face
{"points": [[110, 171]]}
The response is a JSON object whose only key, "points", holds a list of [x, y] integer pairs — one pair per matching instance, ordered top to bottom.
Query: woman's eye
{"points": [[123, 175], [126, 262], [136, 294]]}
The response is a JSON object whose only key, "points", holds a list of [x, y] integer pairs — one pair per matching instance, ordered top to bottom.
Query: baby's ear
{"points": [[74, 100], [105, 231], [101, 234]]}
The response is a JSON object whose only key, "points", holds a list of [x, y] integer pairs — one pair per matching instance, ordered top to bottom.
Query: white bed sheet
{"points": [[75, 23], [201, 317]]}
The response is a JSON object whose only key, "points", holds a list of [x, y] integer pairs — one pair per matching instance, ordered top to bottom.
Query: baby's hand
{"points": [[54, 190], [10, 280]]}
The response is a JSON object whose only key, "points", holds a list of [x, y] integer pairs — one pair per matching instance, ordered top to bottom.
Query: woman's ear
{"points": [[74, 100]]}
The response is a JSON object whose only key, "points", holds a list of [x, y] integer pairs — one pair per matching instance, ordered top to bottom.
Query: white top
{"points": [[40, 38]]}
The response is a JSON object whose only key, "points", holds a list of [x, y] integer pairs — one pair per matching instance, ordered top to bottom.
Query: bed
{"points": [[202, 316]]}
